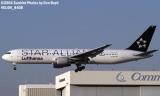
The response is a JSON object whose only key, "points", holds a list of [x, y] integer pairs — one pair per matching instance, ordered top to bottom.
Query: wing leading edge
{"points": [[91, 53]]}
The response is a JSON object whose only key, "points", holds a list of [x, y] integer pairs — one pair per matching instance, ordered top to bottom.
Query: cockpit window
{"points": [[8, 53]]}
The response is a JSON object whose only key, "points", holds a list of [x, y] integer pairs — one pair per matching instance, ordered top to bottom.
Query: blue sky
{"points": [[75, 24]]}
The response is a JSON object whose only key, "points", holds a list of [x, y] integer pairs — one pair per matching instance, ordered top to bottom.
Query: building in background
{"points": [[100, 83], [37, 90]]}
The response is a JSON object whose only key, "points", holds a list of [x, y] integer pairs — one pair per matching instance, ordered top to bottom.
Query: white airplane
{"points": [[65, 57]]}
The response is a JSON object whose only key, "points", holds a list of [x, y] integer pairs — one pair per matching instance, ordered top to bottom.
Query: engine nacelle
{"points": [[62, 62]]}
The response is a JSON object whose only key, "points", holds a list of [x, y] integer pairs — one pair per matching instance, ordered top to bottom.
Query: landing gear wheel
{"points": [[81, 68], [76, 70]]}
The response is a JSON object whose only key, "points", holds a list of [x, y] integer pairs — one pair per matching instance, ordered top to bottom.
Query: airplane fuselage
{"points": [[48, 56]]}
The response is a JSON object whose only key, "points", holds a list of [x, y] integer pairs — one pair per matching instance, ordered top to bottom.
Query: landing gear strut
{"points": [[79, 67]]}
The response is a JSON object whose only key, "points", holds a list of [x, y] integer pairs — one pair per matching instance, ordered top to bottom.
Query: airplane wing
{"points": [[91, 53], [146, 53]]}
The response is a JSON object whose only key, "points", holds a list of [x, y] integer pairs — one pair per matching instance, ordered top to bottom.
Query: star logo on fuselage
{"points": [[141, 43]]}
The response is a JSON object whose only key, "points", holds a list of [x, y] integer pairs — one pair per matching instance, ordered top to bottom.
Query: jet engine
{"points": [[62, 62]]}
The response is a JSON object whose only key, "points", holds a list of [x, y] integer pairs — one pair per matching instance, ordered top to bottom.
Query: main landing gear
{"points": [[79, 67]]}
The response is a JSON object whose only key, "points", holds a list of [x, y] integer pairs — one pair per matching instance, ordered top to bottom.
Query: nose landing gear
{"points": [[14, 66]]}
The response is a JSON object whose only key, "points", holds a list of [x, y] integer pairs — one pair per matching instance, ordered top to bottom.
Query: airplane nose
{"points": [[4, 57]]}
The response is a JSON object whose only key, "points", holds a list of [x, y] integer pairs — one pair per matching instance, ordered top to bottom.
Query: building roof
{"points": [[108, 78]]}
